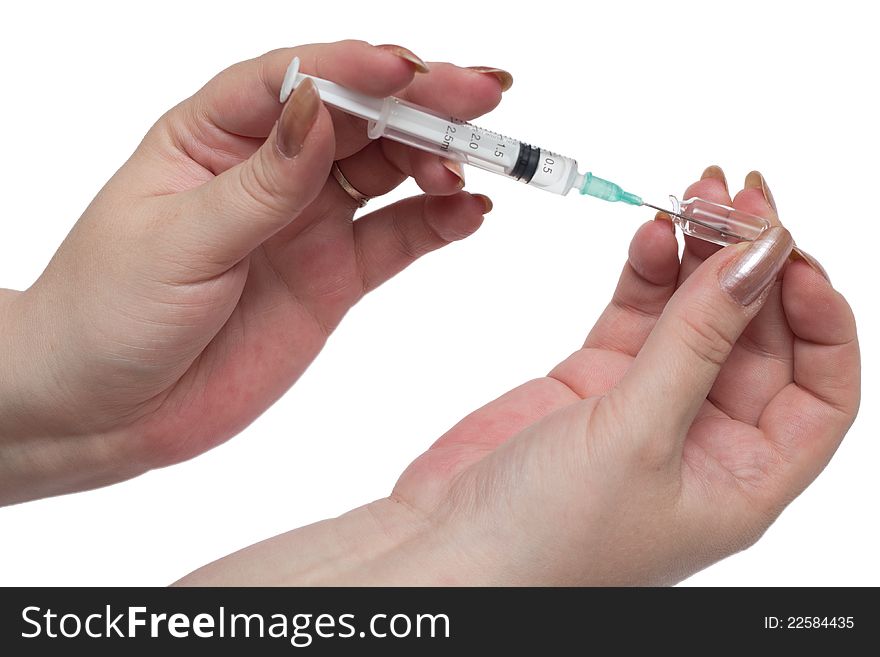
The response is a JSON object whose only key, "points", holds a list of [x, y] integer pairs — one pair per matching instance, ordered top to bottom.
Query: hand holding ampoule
{"points": [[709, 394]]}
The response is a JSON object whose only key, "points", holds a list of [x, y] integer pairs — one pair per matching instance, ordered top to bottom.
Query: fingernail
{"points": [[408, 55], [505, 78], [297, 118], [456, 168], [714, 171], [756, 181], [486, 201], [662, 216], [798, 253], [753, 271]]}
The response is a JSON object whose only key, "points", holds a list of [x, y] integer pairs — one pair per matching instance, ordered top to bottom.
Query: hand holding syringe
{"points": [[458, 140]]}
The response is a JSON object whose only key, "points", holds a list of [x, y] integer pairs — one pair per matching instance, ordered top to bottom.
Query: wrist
{"points": [[31, 384], [13, 403], [21, 436], [42, 453], [384, 543], [440, 552]]}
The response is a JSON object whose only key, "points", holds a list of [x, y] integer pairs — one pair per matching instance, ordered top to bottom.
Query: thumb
{"points": [[245, 205], [675, 369]]}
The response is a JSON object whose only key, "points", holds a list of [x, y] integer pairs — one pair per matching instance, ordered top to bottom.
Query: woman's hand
{"points": [[207, 274], [709, 394]]}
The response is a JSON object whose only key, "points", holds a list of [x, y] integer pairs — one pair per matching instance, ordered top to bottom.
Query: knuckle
{"points": [[352, 42], [263, 72], [258, 183], [410, 244], [704, 333], [646, 447], [656, 452]]}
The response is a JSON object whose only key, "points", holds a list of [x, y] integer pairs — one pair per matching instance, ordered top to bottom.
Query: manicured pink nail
{"points": [[408, 55], [504, 78], [456, 168], [753, 271]]}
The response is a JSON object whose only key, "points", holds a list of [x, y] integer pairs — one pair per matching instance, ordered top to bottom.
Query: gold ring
{"points": [[357, 197]]}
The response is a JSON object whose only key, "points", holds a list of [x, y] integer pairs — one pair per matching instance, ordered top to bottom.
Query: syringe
{"points": [[458, 140]]}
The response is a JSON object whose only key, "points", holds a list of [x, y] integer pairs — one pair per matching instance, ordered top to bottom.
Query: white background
{"points": [[646, 94]]}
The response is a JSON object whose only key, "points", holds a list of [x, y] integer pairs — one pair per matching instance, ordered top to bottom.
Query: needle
{"points": [[664, 210], [691, 220]]}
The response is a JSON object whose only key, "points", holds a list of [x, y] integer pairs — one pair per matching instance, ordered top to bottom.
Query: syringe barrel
{"points": [[446, 136], [465, 142]]}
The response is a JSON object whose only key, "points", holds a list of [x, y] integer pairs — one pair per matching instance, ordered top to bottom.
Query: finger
{"points": [[459, 92], [243, 99], [241, 103], [377, 169], [371, 172], [436, 175], [712, 186], [755, 198], [226, 218], [390, 239], [645, 286], [760, 363], [670, 378], [808, 418]]}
